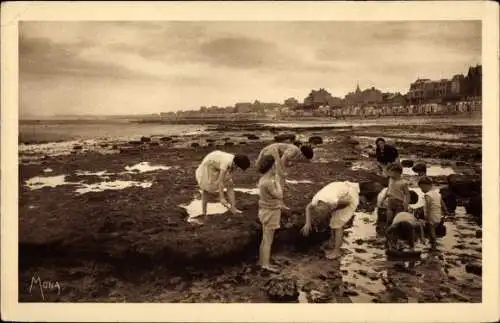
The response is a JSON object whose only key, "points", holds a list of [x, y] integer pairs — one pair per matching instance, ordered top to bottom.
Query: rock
{"points": [[252, 137], [285, 137], [226, 138], [145, 139], [166, 139], [210, 140], [316, 140], [350, 141], [134, 142], [242, 142], [154, 144], [195, 144], [227, 144], [104, 145], [77, 147], [115, 147], [130, 150], [446, 154], [372, 155], [407, 163], [460, 163], [420, 168], [464, 186], [449, 198], [474, 207], [479, 234], [359, 241], [360, 250], [474, 268], [363, 272], [373, 276], [282, 290], [350, 293]]}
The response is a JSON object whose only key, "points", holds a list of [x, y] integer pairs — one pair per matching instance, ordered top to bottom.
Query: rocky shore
{"points": [[108, 220]]}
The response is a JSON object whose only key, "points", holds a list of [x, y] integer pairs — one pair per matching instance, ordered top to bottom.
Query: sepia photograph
{"points": [[250, 161]]}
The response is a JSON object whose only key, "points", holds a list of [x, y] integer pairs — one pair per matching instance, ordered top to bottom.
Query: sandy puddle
{"points": [[427, 141], [145, 167], [432, 170], [104, 174], [292, 181], [39, 182], [113, 185], [251, 191], [213, 208], [194, 209], [370, 277]]}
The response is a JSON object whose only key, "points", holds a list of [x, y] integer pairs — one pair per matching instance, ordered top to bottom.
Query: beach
{"points": [[103, 211]]}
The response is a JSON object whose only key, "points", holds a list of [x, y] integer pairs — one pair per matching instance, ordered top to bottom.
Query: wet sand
{"points": [[108, 221]]}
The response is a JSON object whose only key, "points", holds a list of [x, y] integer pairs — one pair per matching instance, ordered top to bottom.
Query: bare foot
{"points": [[236, 211], [196, 221], [332, 255], [270, 268]]}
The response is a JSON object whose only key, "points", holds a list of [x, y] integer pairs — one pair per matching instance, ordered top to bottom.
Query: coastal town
{"points": [[459, 95]]}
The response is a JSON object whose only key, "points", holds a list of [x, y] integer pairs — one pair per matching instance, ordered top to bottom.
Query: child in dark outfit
{"points": [[386, 155]]}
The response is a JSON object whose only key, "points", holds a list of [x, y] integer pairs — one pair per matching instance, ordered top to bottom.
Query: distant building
{"points": [[474, 81], [458, 85], [424, 90], [444, 90], [368, 96], [321, 97], [394, 99], [291, 103], [243, 107], [167, 115]]}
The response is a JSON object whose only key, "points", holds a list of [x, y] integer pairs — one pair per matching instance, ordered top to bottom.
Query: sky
{"points": [[111, 68]]}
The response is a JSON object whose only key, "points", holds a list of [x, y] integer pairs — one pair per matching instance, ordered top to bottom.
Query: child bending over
{"points": [[341, 200], [405, 226]]}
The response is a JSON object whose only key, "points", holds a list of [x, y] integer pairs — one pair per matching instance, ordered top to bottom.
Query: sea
{"points": [[45, 131]]}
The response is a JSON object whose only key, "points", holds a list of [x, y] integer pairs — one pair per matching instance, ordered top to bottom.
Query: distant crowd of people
{"points": [[340, 199]]}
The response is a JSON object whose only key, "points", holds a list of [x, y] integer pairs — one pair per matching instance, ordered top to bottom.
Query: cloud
{"points": [[42, 56], [142, 66]]}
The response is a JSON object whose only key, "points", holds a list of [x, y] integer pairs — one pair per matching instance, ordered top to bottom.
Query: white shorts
{"points": [[207, 179], [342, 216]]}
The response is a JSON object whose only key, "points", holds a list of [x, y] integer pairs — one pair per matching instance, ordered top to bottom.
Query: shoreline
{"points": [[91, 236]]}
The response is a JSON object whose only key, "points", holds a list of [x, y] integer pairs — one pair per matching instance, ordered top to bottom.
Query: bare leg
{"points": [[232, 200], [204, 202], [432, 232], [337, 235], [390, 236], [411, 240], [265, 250]]}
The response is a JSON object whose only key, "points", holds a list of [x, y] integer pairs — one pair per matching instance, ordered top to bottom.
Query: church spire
{"points": [[357, 88]]}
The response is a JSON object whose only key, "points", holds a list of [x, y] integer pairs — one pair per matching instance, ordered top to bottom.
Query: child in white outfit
{"points": [[340, 199]]}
